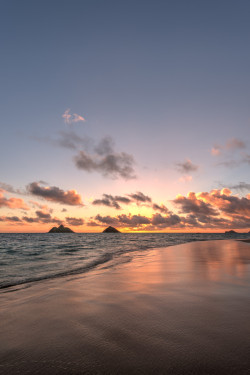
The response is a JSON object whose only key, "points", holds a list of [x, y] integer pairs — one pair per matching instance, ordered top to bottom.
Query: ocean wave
{"points": [[27, 258], [75, 271]]}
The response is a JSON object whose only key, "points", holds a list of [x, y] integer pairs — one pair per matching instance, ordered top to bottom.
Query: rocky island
{"points": [[61, 229], [111, 230], [230, 232]]}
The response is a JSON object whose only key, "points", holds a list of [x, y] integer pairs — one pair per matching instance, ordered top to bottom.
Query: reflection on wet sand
{"points": [[192, 263]]}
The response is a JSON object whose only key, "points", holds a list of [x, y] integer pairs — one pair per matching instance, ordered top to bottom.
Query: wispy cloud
{"points": [[72, 118], [232, 144], [235, 144], [231, 154], [244, 159], [187, 166], [241, 186], [10, 189], [139, 198]]}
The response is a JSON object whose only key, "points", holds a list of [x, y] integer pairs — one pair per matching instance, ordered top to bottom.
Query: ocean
{"points": [[29, 258]]}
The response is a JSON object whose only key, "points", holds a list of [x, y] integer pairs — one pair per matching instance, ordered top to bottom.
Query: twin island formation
{"points": [[62, 229]]}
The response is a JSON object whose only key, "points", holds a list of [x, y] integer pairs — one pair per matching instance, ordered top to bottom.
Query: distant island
{"points": [[61, 229], [111, 230], [230, 232]]}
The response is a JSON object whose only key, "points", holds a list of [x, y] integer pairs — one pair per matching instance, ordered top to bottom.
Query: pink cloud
{"points": [[70, 119], [13, 203]]}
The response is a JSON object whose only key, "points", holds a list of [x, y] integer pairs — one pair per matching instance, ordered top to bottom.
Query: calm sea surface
{"points": [[26, 258]]}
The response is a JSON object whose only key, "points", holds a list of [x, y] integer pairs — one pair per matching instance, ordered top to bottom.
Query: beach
{"points": [[183, 309]]}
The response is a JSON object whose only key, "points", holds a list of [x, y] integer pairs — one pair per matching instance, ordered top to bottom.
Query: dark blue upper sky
{"points": [[167, 80]]}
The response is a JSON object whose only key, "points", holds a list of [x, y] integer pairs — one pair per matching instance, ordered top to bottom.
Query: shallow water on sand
{"points": [[33, 257]]}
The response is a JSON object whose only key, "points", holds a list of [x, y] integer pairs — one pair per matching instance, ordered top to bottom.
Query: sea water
{"points": [[26, 258]]}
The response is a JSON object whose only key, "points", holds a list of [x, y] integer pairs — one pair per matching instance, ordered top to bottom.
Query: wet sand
{"points": [[247, 241], [180, 310]]}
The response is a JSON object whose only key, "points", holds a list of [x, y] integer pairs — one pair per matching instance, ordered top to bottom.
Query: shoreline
{"points": [[247, 240], [105, 259], [182, 309]]}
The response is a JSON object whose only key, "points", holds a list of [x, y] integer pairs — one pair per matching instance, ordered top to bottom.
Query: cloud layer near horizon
{"points": [[218, 209]]}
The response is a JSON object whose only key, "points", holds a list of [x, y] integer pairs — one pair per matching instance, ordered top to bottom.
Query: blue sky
{"points": [[167, 80]]}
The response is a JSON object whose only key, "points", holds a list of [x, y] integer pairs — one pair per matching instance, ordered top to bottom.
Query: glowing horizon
{"points": [[200, 212]]}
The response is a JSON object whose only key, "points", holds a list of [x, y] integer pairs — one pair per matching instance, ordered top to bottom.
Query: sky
{"points": [[133, 114]]}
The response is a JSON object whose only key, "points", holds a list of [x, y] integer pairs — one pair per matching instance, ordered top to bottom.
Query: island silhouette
{"points": [[61, 229], [111, 230]]}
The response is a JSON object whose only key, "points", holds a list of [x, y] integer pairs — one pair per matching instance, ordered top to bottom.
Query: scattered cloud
{"points": [[72, 118], [73, 141], [233, 144], [105, 146], [233, 147], [98, 157], [245, 159], [230, 163], [112, 165], [186, 167], [241, 186], [10, 189], [55, 194], [139, 197], [109, 201], [13, 203], [161, 208], [218, 209], [42, 217], [10, 219], [123, 220], [74, 221], [138, 222]]}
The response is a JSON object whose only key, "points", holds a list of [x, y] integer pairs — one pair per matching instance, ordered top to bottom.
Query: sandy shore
{"points": [[180, 310]]}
